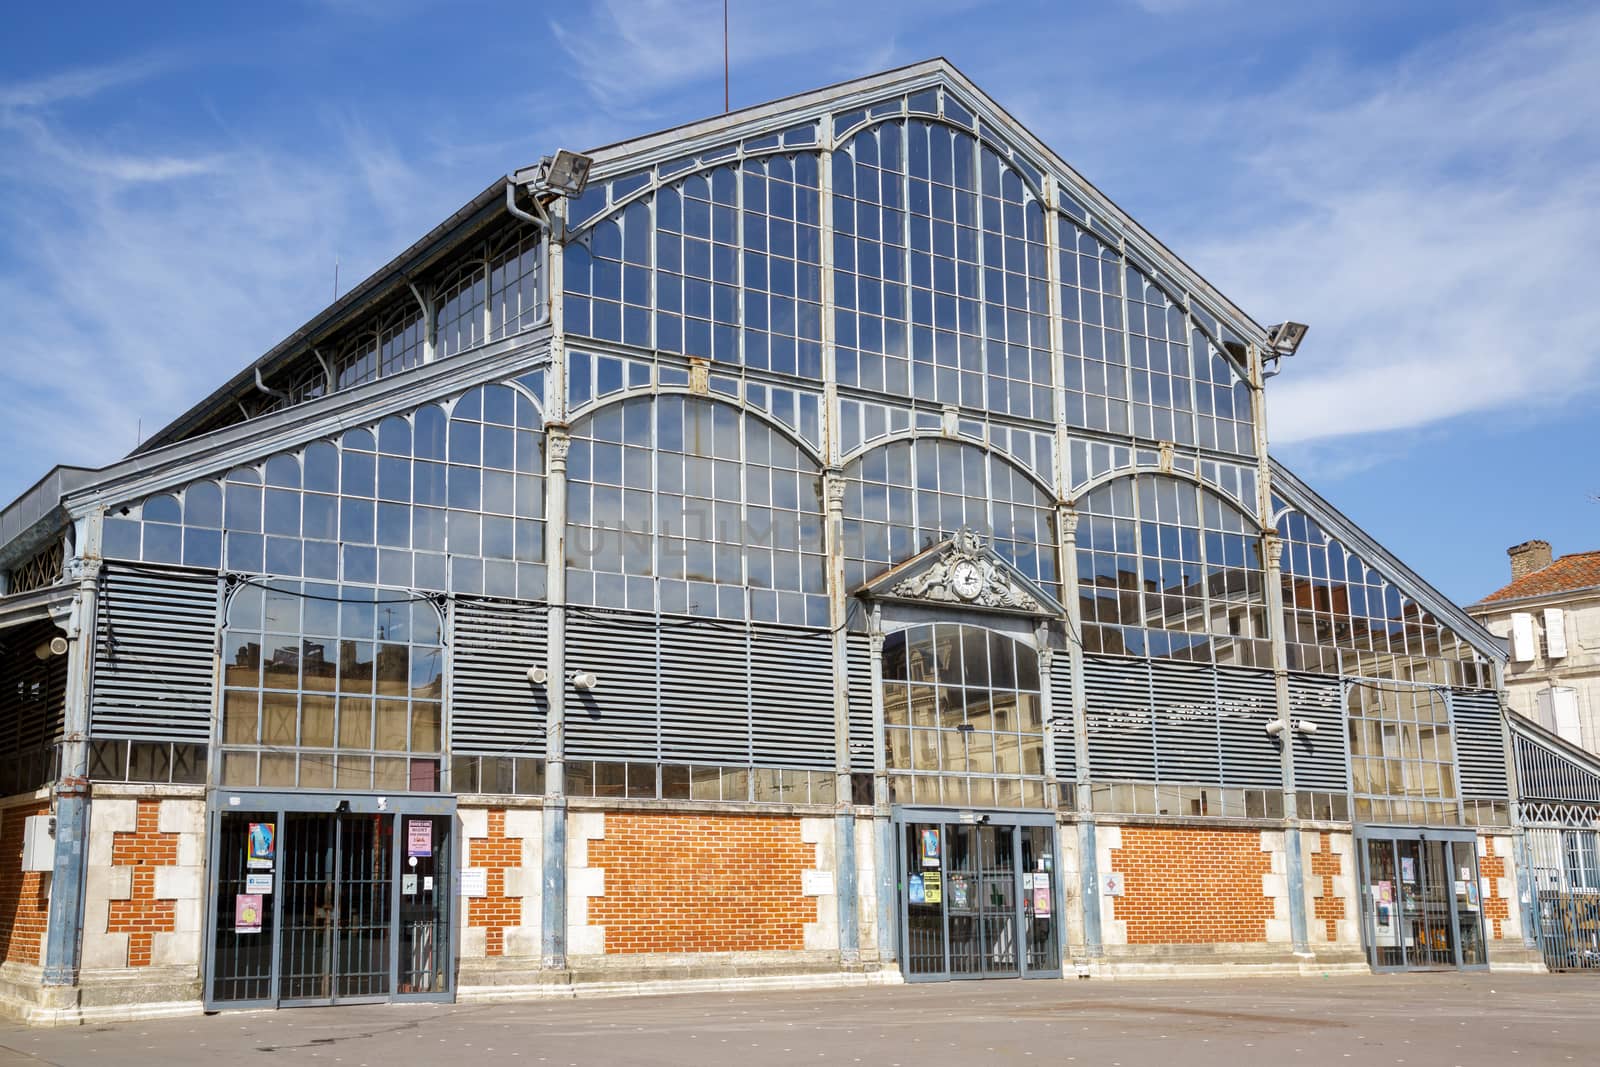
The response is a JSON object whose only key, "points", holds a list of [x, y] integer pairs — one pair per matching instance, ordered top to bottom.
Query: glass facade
{"points": [[897, 296], [449, 496], [330, 687], [962, 719]]}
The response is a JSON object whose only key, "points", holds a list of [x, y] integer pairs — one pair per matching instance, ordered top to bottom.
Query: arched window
{"points": [[939, 271], [905, 496], [691, 506], [1168, 569], [962, 717]]}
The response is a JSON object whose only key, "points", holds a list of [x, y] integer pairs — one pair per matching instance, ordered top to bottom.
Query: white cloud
{"points": [[1433, 222], [133, 281]]}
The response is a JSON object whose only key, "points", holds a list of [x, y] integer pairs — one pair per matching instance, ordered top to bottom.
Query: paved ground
{"points": [[1416, 1020]]}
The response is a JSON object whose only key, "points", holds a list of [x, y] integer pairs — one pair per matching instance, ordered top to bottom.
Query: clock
{"points": [[966, 579]]}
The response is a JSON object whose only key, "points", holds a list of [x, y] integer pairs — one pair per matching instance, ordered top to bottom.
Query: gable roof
{"points": [[630, 155], [1568, 574]]}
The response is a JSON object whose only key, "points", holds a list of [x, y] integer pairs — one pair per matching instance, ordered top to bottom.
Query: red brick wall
{"points": [[1328, 864], [701, 883], [1192, 886], [24, 896], [1496, 908], [494, 911], [142, 916]]}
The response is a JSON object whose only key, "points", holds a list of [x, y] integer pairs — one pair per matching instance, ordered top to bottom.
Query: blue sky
{"points": [[1416, 180]]}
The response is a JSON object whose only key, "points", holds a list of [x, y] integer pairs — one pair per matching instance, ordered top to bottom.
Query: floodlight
{"points": [[566, 172], [1285, 337], [538, 675], [584, 680], [1305, 726], [1276, 727]]}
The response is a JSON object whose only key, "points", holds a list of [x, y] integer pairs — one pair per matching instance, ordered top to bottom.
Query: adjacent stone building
{"points": [[1549, 617]]}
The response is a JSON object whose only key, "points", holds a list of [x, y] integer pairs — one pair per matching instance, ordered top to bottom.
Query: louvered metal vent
{"points": [[154, 654], [858, 660], [32, 691], [700, 694], [791, 698], [1246, 702], [494, 709], [1061, 710], [617, 720], [1168, 721], [1480, 744], [1122, 745], [1321, 759], [1544, 773]]}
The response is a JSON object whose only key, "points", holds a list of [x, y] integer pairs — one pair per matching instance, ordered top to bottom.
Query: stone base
{"points": [[1516, 957], [1219, 961], [649, 974], [100, 996]]}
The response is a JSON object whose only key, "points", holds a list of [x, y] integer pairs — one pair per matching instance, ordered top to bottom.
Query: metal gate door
{"points": [[1565, 864], [978, 896], [1420, 899], [324, 906], [335, 919]]}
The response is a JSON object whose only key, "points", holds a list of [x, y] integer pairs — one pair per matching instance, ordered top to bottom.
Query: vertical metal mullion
{"points": [[280, 869], [397, 872], [1016, 901], [944, 909]]}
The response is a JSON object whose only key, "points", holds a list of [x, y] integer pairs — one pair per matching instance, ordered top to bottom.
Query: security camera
{"points": [[56, 646], [538, 675], [584, 680], [1305, 726], [1276, 727]]}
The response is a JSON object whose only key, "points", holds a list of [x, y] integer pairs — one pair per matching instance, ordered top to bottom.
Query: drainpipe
{"points": [[63, 944]]}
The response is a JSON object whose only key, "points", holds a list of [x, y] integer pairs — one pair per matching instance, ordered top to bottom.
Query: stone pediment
{"points": [[962, 572]]}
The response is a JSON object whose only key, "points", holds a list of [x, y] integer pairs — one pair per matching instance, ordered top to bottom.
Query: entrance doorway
{"points": [[979, 895], [1420, 897], [333, 906]]}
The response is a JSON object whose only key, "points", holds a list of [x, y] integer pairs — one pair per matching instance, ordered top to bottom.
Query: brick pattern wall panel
{"points": [[1327, 866], [701, 883], [1192, 886], [1498, 887], [24, 896], [144, 914]]}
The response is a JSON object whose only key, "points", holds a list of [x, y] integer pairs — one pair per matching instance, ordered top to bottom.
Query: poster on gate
{"points": [[419, 838], [262, 846], [930, 847], [1041, 896], [247, 913]]}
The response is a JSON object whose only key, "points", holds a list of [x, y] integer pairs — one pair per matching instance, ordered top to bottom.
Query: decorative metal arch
{"points": [[594, 406], [986, 446], [1146, 468]]}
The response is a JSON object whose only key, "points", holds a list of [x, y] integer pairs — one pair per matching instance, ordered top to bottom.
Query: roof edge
{"points": [[1289, 485]]}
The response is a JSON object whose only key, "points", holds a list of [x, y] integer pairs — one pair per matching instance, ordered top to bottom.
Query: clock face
{"points": [[966, 579]]}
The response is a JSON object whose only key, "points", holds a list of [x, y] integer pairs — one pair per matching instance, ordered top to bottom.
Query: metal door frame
{"points": [[220, 802], [901, 817], [1423, 836]]}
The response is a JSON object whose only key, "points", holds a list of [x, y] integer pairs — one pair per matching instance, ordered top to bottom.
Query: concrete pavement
{"points": [[1413, 1020]]}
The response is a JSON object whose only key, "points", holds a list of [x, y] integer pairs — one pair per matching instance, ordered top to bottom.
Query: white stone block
{"points": [[182, 817], [106, 819], [474, 822], [525, 823], [1272, 841], [191, 850], [524, 881], [585, 882], [177, 883], [187, 915], [1278, 931], [586, 940], [523, 941], [474, 942], [176, 949], [105, 951]]}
